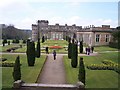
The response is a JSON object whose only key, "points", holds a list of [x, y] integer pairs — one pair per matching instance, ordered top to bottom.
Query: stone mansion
{"points": [[91, 35]]}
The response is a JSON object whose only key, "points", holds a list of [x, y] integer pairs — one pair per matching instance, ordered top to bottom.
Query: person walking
{"points": [[92, 49], [88, 50], [54, 54]]}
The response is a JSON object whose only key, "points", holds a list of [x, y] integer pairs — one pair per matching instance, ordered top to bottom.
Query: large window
{"points": [[53, 35], [97, 37], [107, 37]]}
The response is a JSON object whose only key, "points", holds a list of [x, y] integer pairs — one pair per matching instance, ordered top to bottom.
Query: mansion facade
{"points": [[91, 35]]}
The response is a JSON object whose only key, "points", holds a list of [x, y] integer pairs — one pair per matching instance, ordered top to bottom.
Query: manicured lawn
{"points": [[55, 42], [48, 43], [61, 43], [104, 48], [3, 49], [21, 50], [29, 74], [94, 78]]}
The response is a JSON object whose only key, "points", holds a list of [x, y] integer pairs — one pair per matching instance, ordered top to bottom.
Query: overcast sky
{"points": [[23, 13]]}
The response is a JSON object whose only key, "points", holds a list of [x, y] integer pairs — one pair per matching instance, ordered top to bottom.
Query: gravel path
{"points": [[53, 71]]}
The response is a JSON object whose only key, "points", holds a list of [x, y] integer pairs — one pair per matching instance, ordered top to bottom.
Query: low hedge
{"points": [[13, 48], [3, 59], [107, 62], [7, 64], [107, 65]]}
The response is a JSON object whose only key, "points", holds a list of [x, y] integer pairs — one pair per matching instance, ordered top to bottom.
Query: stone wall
{"points": [[37, 86]]}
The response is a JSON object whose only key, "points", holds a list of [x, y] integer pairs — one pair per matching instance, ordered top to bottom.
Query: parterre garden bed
{"points": [[29, 74], [94, 78]]}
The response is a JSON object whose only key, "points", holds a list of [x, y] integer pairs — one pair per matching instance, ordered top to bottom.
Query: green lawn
{"points": [[55, 42], [48, 43], [61, 43], [104, 48], [3, 49], [21, 50], [27, 72], [94, 78]]}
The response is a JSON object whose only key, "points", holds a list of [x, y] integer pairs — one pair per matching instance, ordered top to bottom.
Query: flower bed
{"points": [[55, 47], [107, 65]]}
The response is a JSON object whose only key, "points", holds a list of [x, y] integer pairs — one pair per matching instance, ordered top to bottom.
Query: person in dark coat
{"points": [[92, 49], [46, 50], [88, 50], [54, 54]]}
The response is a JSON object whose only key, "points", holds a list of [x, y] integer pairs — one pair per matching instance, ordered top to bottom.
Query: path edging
{"points": [[42, 68]]}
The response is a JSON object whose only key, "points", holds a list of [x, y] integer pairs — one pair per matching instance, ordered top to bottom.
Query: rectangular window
{"points": [[53, 35], [97, 37], [107, 37]]}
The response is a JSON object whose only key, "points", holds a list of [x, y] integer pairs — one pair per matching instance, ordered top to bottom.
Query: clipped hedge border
{"points": [[3, 59], [107, 62], [6, 64], [107, 65]]}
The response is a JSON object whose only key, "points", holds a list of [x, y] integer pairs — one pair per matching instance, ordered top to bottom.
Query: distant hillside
{"points": [[10, 32]]}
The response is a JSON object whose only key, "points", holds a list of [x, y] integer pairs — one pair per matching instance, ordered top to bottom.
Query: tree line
{"points": [[11, 32]]}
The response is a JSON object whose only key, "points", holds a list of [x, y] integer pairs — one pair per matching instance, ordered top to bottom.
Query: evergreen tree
{"points": [[66, 38], [43, 39], [69, 39], [5, 40], [24, 41], [73, 41], [8, 42], [3, 43], [81, 47], [69, 50], [38, 51], [30, 53], [74, 57], [17, 70], [81, 75]]}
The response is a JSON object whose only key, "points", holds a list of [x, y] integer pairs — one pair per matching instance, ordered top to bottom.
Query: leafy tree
{"points": [[11, 32], [116, 34], [116, 38], [81, 47], [69, 50], [38, 51], [30, 53], [74, 57], [17, 70], [81, 75]]}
